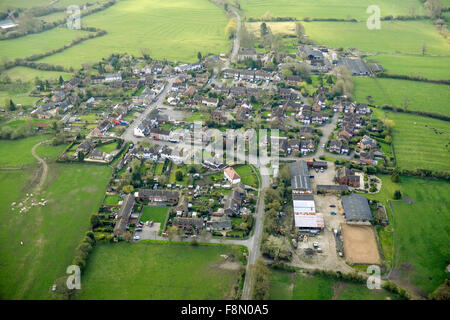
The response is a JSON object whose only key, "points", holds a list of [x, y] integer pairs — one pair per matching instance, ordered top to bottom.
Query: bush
{"points": [[397, 195]]}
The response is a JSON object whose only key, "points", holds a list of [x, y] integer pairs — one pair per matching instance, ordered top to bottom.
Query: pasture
{"points": [[324, 8], [175, 30], [394, 36], [38, 43], [425, 66], [28, 74], [421, 96], [417, 144], [17, 153], [247, 176], [421, 231], [50, 233], [167, 271], [290, 286]]}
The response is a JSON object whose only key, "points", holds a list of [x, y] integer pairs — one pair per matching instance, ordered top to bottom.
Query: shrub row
{"points": [[412, 78]]}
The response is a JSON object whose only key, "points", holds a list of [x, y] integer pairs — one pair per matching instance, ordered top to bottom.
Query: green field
{"points": [[37, 3], [342, 9], [175, 30], [397, 36], [37, 43], [428, 67], [28, 74], [18, 95], [422, 96], [415, 142], [108, 148], [15, 153], [247, 175], [112, 200], [155, 214], [421, 231], [51, 233], [157, 271], [290, 286]]}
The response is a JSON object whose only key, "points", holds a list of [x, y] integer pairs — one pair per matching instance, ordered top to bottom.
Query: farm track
{"points": [[43, 163]]}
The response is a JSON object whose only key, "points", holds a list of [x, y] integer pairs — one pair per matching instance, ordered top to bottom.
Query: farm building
{"points": [[357, 67], [300, 178], [303, 203], [356, 209], [309, 221], [188, 223]]}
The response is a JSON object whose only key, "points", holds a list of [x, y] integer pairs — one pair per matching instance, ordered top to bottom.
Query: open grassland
{"points": [[5, 4], [324, 8], [175, 30], [394, 36], [37, 43], [429, 67], [28, 74], [19, 95], [421, 96], [416, 143], [17, 153], [247, 176], [155, 214], [421, 231], [50, 233], [147, 270], [290, 286]]}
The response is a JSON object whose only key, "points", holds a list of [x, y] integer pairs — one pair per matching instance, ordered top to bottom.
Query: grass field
{"points": [[37, 3], [324, 8], [175, 30], [401, 36], [37, 43], [427, 67], [28, 74], [18, 95], [422, 96], [416, 143], [108, 148], [16, 153], [247, 175], [112, 199], [155, 214], [421, 231], [51, 233], [157, 271], [290, 286]]}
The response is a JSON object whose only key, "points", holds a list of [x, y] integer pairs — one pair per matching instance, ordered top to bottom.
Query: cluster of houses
{"points": [[91, 153]]}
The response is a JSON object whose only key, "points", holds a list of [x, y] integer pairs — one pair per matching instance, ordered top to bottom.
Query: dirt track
{"points": [[43, 163]]}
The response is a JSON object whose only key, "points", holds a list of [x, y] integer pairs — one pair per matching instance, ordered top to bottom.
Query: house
{"points": [[7, 24], [247, 53], [313, 55], [113, 77], [293, 80], [210, 102], [217, 116], [159, 134], [367, 143], [307, 146], [335, 146], [85, 147], [97, 154], [367, 157], [213, 163], [231, 175], [345, 176], [159, 196], [233, 201], [182, 207], [356, 209], [124, 215], [219, 223], [188, 224]]}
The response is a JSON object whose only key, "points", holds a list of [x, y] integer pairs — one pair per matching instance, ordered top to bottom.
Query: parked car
{"points": [[332, 206], [333, 213], [136, 238]]}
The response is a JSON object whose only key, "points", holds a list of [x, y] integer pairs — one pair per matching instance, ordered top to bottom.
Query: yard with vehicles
{"points": [[398, 93], [419, 142], [71, 193], [417, 236], [150, 270], [302, 286]]}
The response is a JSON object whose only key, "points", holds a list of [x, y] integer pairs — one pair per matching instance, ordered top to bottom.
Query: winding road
{"points": [[43, 163]]}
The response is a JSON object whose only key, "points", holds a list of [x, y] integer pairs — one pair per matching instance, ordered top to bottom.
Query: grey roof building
{"points": [[300, 178], [356, 209], [124, 215]]}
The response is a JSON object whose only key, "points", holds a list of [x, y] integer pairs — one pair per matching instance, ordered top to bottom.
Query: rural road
{"points": [[128, 134], [43, 163]]}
